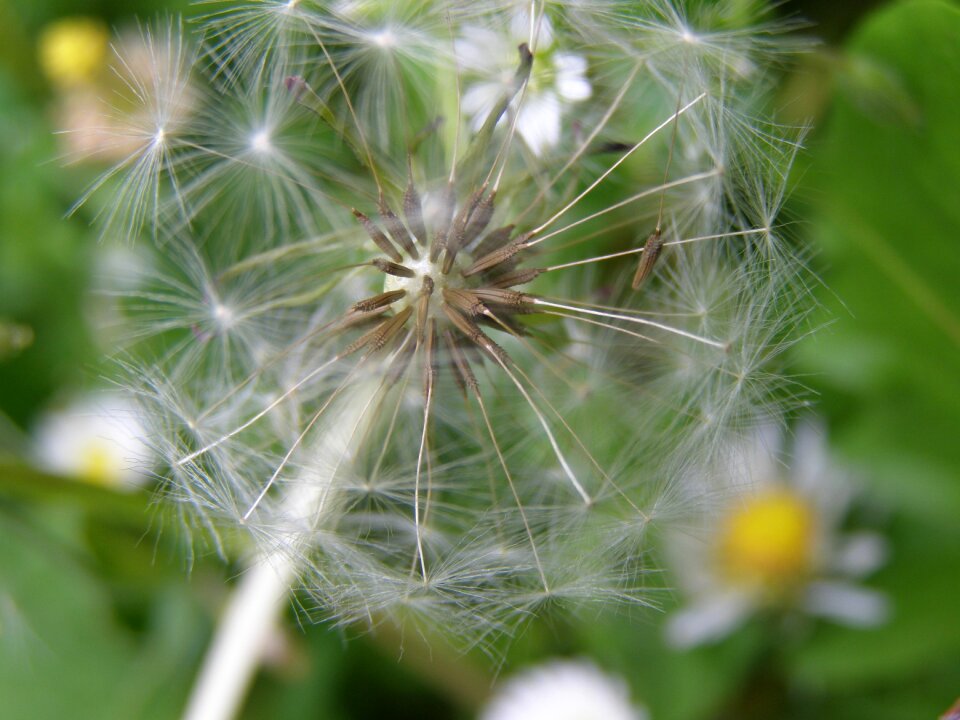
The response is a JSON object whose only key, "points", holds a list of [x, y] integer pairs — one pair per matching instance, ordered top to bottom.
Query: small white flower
{"points": [[558, 78], [98, 438], [776, 544], [569, 690]]}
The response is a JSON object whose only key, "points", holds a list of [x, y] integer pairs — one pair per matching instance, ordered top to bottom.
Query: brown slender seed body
{"points": [[412, 210], [398, 231], [381, 240], [494, 240], [651, 251], [494, 258], [392, 268], [517, 277], [498, 296], [463, 300], [378, 301], [464, 373]]}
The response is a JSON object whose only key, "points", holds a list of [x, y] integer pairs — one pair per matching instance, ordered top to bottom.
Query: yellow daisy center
{"points": [[99, 464], [768, 540]]}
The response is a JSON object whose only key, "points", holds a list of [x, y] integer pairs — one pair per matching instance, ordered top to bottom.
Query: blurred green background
{"points": [[99, 617]]}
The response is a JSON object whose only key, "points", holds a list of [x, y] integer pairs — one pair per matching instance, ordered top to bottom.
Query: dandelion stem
{"points": [[254, 608], [245, 628]]}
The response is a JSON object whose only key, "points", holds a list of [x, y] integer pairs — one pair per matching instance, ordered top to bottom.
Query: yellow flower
{"points": [[73, 50]]}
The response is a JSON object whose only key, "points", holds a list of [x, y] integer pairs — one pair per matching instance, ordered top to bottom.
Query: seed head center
{"points": [[424, 268]]}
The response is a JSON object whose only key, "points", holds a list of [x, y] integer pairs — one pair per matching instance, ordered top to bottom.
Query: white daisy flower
{"points": [[558, 78], [99, 439], [776, 544], [568, 690]]}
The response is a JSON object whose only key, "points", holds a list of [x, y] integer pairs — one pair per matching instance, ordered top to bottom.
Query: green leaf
{"points": [[888, 176], [888, 368], [66, 649]]}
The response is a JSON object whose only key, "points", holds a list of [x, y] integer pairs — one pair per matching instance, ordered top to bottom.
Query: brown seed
{"points": [[413, 211], [479, 219], [398, 231], [381, 240], [494, 240], [651, 251], [494, 258], [392, 268], [517, 277], [498, 296], [464, 300], [379, 301], [423, 306], [473, 332], [378, 337], [430, 367], [464, 374]]}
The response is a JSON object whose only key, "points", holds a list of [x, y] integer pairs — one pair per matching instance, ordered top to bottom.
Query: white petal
{"points": [[520, 30], [482, 50], [570, 64], [571, 71], [573, 88], [478, 101], [539, 122], [104, 424], [763, 462], [816, 477], [859, 554], [847, 604], [708, 619], [562, 691]]}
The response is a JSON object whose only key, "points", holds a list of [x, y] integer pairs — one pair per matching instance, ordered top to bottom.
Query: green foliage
{"points": [[890, 361], [888, 367]]}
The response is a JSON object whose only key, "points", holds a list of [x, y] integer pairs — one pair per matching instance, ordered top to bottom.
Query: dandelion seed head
{"points": [[392, 331]]}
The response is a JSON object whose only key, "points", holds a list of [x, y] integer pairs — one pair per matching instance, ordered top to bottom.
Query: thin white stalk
{"points": [[614, 166], [633, 319], [255, 607], [242, 636]]}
